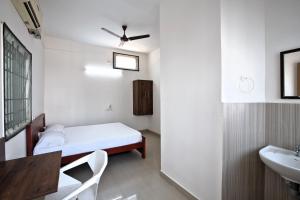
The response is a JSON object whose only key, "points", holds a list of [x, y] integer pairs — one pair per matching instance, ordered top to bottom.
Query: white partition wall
{"points": [[1, 81], [191, 95]]}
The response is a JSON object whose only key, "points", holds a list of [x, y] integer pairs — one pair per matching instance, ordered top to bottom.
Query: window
{"points": [[17, 62], [126, 62]]}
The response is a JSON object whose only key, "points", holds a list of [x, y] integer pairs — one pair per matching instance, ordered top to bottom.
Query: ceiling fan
{"points": [[124, 38]]}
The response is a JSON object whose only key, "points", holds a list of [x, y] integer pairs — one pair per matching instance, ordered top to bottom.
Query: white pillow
{"points": [[55, 128], [51, 139]]}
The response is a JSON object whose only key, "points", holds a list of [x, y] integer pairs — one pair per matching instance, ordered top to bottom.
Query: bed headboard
{"points": [[32, 133]]}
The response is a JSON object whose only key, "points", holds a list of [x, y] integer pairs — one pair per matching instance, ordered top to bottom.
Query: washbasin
{"points": [[282, 161]]}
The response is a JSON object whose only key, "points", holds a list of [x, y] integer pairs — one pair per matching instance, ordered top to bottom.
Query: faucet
{"points": [[297, 150]]}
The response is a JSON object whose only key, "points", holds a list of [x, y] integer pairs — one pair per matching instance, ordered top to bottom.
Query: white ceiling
{"points": [[81, 20]]}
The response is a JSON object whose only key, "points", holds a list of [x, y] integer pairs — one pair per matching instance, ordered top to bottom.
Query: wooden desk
{"points": [[30, 177]]}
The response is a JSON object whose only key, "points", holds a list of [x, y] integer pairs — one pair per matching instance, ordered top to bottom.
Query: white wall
{"points": [[282, 33], [253, 35], [243, 50], [154, 74], [74, 98], [191, 127], [16, 147]]}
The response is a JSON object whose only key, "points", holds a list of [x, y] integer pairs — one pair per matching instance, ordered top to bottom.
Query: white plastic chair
{"points": [[70, 188]]}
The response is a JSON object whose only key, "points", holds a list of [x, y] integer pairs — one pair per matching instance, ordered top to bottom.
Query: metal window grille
{"points": [[17, 84]]}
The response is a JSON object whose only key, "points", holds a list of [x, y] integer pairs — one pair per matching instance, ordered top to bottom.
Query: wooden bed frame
{"points": [[38, 124]]}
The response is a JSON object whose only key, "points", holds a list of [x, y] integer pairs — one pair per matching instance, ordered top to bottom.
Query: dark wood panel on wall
{"points": [[143, 97], [282, 130], [244, 135], [2, 149]]}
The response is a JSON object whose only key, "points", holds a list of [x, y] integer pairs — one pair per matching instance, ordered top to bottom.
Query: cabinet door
{"points": [[137, 97], [147, 97]]}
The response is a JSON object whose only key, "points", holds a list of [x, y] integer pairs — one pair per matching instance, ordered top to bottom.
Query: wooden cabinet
{"points": [[142, 97]]}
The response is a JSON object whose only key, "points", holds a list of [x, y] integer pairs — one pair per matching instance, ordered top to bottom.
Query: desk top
{"points": [[30, 177]]}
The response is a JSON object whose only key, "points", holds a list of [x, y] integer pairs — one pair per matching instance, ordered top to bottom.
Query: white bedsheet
{"points": [[82, 139]]}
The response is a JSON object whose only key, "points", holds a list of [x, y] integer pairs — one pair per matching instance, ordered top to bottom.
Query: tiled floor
{"points": [[129, 176]]}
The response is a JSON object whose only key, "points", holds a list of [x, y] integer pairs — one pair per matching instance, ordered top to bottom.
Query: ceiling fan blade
{"points": [[110, 32], [139, 37]]}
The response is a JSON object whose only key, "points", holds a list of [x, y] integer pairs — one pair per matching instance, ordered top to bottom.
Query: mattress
{"points": [[83, 139]]}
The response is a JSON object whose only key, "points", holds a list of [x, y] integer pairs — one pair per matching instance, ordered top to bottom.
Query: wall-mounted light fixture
{"points": [[94, 70]]}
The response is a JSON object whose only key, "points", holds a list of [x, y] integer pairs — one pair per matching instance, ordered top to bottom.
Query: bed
{"points": [[114, 138]]}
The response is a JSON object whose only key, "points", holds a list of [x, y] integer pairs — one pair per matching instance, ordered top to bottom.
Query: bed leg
{"points": [[142, 150], [143, 153]]}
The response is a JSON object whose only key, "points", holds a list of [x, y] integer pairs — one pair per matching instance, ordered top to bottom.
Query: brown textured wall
{"points": [[247, 128], [282, 130], [244, 135]]}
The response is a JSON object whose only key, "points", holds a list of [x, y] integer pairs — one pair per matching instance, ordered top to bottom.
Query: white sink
{"points": [[282, 161]]}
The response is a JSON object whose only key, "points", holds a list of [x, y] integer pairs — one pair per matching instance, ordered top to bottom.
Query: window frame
{"points": [[115, 54], [8, 137]]}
